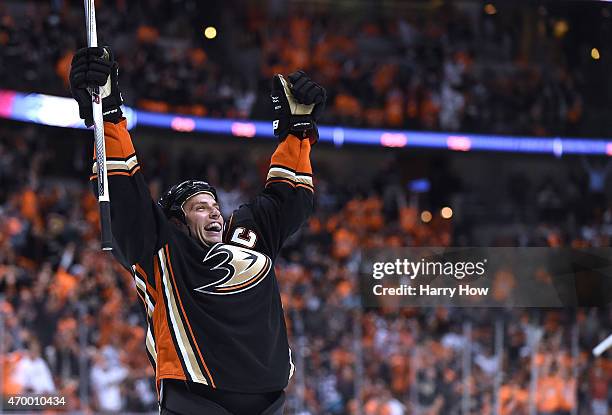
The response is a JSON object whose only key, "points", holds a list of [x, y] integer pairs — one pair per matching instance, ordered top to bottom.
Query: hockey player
{"points": [[216, 333]]}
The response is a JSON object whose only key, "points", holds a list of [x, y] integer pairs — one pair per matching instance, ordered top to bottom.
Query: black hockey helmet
{"points": [[174, 198]]}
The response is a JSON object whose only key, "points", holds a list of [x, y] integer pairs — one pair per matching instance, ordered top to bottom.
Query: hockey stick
{"points": [[96, 103], [603, 346]]}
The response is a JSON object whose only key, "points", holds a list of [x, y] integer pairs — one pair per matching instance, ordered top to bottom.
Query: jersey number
{"points": [[244, 237]]}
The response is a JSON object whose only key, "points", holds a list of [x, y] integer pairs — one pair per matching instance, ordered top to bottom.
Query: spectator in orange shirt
{"points": [[568, 392], [549, 393], [513, 397]]}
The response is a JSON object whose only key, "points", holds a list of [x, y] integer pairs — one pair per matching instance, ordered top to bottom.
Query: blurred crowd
{"points": [[450, 69], [73, 326]]}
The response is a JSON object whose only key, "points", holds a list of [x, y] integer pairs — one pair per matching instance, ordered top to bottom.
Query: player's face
{"points": [[204, 218]]}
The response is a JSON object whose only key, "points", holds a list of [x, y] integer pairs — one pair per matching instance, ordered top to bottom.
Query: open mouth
{"points": [[213, 227]]}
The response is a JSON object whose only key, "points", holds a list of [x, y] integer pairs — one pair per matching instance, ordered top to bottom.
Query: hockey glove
{"points": [[96, 67], [297, 106]]}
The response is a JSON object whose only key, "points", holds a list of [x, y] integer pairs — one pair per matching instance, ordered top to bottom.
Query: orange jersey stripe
{"points": [[116, 173], [289, 182], [305, 186], [152, 290], [144, 303], [168, 362], [212, 382]]}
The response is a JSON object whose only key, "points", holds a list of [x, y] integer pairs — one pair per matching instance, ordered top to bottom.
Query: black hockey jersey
{"points": [[214, 314]]}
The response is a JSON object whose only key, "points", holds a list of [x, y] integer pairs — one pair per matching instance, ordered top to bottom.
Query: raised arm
{"points": [[287, 199], [136, 219]]}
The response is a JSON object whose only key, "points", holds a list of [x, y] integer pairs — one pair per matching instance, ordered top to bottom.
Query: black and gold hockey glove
{"points": [[96, 67], [298, 103]]}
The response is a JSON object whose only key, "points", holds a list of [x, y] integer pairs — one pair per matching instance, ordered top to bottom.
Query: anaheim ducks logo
{"points": [[244, 269]]}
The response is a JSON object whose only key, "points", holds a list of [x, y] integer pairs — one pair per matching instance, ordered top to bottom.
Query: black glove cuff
{"points": [[113, 115], [300, 124], [304, 126]]}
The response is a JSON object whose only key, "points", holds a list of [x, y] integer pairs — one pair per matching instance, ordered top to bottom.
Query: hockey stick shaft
{"points": [[96, 103], [603, 346]]}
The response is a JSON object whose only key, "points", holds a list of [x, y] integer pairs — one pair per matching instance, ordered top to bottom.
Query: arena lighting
{"points": [[560, 28], [210, 32], [48, 110], [63, 112], [446, 212], [426, 216]]}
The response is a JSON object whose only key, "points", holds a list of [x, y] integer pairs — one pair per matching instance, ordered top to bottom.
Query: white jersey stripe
{"points": [[126, 165], [150, 343], [291, 365]]}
